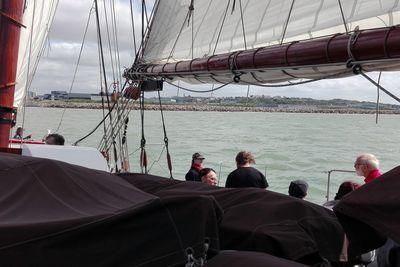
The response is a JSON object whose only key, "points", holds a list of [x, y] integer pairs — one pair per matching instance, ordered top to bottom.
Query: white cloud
{"points": [[56, 68]]}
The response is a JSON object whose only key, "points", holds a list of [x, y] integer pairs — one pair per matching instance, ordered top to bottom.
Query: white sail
{"points": [[37, 17], [218, 25]]}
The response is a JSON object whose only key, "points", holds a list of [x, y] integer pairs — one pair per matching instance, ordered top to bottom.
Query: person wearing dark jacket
{"points": [[197, 165], [245, 175]]}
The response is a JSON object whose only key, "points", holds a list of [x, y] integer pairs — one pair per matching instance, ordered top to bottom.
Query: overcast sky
{"points": [[57, 65]]}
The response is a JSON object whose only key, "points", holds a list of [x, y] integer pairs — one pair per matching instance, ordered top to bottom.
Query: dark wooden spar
{"points": [[10, 25], [377, 49]]}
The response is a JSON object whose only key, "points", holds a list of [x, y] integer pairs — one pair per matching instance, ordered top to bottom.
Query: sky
{"points": [[57, 65]]}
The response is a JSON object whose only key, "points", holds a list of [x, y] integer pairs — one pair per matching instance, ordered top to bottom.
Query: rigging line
{"points": [[145, 12], [192, 14], [343, 18], [287, 22], [142, 25], [222, 25], [133, 26], [244, 32], [178, 36], [108, 39], [143, 42], [29, 63], [118, 63], [76, 67], [117, 67], [104, 73], [336, 75], [380, 87], [101, 90], [196, 91], [247, 96], [377, 98], [115, 128], [94, 129], [165, 137], [133, 152], [143, 155], [158, 159]]}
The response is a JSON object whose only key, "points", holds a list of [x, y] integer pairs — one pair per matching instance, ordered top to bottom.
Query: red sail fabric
{"points": [[374, 207], [57, 214], [259, 220]]}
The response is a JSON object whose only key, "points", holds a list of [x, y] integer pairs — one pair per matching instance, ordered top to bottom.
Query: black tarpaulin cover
{"points": [[373, 208], [56, 214], [259, 220], [249, 258]]}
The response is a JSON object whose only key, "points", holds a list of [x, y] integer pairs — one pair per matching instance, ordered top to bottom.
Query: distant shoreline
{"points": [[210, 108]]}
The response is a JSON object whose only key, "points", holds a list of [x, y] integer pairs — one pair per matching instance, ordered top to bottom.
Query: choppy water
{"points": [[286, 146]]}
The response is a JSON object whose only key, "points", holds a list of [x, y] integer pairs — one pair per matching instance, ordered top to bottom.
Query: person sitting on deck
{"points": [[19, 133], [55, 139], [197, 165], [367, 165], [245, 175], [208, 176], [345, 188], [298, 189]]}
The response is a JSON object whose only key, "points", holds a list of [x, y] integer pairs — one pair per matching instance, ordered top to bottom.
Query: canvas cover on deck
{"points": [[373, 208], [57, 214], [259, 220], [249, 258]]}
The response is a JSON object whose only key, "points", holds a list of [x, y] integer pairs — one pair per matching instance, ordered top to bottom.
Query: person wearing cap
{"points": [[197, 165], [367, 165], [245, 175], [298, 189]]}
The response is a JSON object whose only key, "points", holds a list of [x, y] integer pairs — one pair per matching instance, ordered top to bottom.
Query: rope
{"points": [[343, 18], [287, 22], [133, 26], [220, 29], [244, 33], [179, 35], [108, 39], [28, 68], [76, 68], [105, 76], [297, 83], [380, 87], [196, 91], [247, 96], [377, 98], [95, 128], [165, 137], [143, 156]]}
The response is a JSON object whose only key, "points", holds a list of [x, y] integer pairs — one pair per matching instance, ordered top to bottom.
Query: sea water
{"points": [[286, 146]]}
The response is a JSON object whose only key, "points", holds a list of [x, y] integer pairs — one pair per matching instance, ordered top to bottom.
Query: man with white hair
{"points": [[367, 165]]}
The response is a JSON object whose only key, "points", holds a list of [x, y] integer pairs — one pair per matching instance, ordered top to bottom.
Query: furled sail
{"points": [[37, 19], [186, 30]]}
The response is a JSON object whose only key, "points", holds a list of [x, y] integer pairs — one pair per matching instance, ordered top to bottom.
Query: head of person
{"points": [[19, 131], [55, 139], [197, 158], [244, 159], [365, 163], [208, 176], [345, 188], [298, 189]]}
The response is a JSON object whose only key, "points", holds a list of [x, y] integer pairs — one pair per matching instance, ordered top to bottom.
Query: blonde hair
{"points": [[368, 159]]}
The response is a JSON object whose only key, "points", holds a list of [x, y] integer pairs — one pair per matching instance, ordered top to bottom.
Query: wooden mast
{"points": [[10, 25]]}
